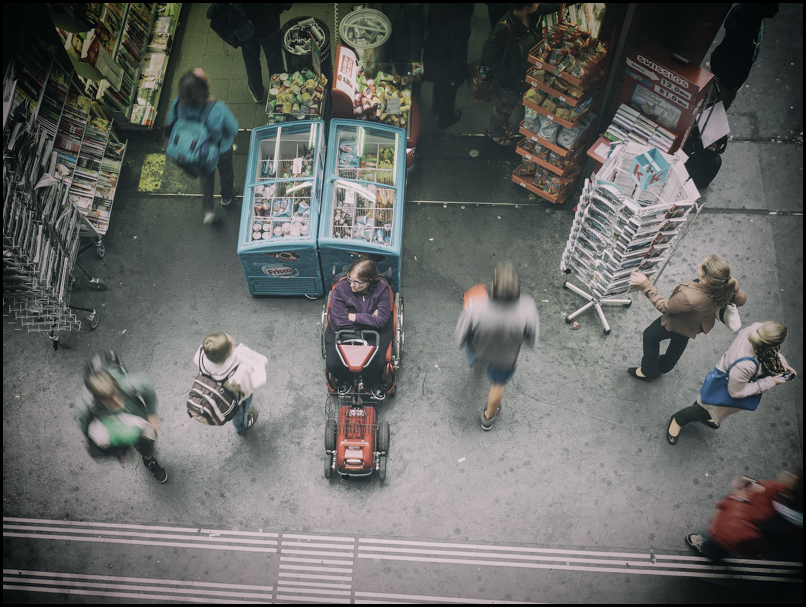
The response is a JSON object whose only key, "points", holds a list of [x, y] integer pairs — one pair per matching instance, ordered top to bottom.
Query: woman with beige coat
{"points": [[690, 310], [753, 364]]}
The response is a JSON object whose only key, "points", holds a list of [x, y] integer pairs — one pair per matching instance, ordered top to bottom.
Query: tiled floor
{"points": [[198, 46]]}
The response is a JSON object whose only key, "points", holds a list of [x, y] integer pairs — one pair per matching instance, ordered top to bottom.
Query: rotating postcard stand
{"points": [[631, 216]]}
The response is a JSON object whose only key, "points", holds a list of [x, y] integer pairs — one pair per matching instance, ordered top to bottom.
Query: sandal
{"points": [[501, 140]]}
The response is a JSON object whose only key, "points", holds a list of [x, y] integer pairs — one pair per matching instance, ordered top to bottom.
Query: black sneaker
{"points": [[228, 201], [343, 388], [378, 394], [158, 471]]}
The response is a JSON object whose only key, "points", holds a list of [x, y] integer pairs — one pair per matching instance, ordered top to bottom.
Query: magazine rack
{"points": [[619, 228]]}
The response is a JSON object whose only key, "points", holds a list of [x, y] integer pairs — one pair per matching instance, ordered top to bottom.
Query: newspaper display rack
{"points": [[620, 228]]}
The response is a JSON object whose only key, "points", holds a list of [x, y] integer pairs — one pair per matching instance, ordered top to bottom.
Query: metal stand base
{"points": [[595, 302]]}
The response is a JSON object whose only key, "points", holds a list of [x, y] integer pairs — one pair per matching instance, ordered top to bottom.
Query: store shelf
{"points": [[581, 82], [564, 97], [561, 121], [553, 146], [531, 157], [558, 199]]}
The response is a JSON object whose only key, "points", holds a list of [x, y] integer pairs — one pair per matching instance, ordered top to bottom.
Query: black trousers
{"points": [[444, 101], [227, 175], [653, 364], [376, 370], [694, 413]]}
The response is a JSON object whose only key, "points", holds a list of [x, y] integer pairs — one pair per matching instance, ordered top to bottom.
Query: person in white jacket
{"points": [[243, 368]]}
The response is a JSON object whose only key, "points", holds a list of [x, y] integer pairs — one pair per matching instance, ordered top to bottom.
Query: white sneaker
{"points": [[208, 218]]}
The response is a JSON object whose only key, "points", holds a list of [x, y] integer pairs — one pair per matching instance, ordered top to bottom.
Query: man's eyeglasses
{"points": [[357, 283]]}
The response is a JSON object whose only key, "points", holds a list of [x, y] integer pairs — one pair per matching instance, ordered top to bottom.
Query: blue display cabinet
{"points": [[363, 199], [281, 209]]}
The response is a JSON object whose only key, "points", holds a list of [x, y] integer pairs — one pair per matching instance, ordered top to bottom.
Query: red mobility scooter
{"points": [[356, 440]]}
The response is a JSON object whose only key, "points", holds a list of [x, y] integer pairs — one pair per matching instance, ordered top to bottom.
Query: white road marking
{"points": [[129, 526], [136, 534], [41, 536], [295, 536], [312, 545], [285, 550], [567, 559], [319, 561], [574, 568], [327, 569], [312, 576], [134, 580], [84, 584], [313, 584], [312, 590], [127, 595], [310, 599], [431, 599]]}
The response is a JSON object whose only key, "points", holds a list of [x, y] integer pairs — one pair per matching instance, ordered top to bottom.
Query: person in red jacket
{"points": [[755, 519]]}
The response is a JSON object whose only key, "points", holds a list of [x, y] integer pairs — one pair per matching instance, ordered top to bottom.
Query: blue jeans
{"points": [[251, 60], [496, 376], [241, 414]]}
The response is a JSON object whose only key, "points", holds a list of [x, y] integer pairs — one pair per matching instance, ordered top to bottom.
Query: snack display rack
{"points": [[567, 71], [374, 92], [298, 96], [363, 197], [281, 206], [620, 228]]}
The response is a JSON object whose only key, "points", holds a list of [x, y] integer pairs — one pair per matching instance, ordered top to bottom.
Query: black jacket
{"points": [[265, 16], [405, 45], [445, 54], [511, 70]]}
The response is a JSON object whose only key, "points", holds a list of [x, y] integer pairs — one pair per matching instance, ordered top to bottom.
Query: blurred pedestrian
{"points": [[265, 16], [505, 55], [445, 56], [732, 60], [192, 104], [690, 310], [492, 331], [752, 365], [240, 368], [120, 411], [756, 519]]}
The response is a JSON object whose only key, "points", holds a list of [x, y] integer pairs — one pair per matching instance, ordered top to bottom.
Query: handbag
{"points": [[480, 84], [703, 163], [729, 315], [714, 390]]}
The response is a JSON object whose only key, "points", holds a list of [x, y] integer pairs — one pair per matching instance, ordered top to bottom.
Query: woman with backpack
{"points": [[505, 55], [192, 107]]}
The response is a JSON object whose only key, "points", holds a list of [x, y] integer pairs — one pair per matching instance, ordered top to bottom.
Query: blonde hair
{"points": [[506, 283], [718, 283], [767, 335], [217, 347], [101, 385]]}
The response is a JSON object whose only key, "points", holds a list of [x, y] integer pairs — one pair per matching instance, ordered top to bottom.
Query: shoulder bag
{"points": [[481, 86], [714, 390]]}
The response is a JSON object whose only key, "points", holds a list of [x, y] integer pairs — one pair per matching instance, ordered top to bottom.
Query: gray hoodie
{"points": [[495, 330]]}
